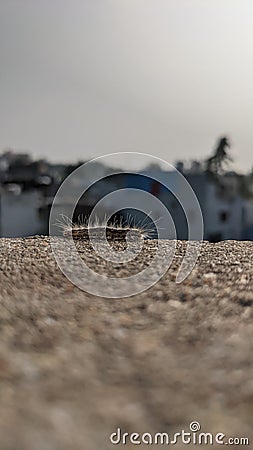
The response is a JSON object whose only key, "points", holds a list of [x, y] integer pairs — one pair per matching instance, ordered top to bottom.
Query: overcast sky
{"points": [[81, 78]]}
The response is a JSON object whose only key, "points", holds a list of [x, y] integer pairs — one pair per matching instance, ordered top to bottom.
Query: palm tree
{"points": [[215, 164]]}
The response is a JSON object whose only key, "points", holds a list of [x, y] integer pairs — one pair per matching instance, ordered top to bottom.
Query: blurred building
{"points": [[24, 187], [28, 188], [19, 212], [227, 213]]}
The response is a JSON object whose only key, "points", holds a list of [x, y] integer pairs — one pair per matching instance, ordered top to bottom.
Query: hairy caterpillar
{"points": [[114, 231]]}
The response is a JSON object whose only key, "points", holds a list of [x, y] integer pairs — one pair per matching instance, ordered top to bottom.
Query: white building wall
{"points": [[216, 206], [19, 214]]}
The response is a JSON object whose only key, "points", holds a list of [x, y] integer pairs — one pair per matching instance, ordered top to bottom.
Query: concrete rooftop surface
{"points": [[75, 367]]}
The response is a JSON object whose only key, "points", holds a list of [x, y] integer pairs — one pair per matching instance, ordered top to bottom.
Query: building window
{"points": [[155, 188], [223, 216]]}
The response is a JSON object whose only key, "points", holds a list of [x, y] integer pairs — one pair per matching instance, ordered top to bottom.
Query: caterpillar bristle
{"points": [[115, 230]]}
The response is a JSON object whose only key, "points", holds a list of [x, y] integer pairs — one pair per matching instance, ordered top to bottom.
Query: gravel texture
{"points": [[74, 367]]}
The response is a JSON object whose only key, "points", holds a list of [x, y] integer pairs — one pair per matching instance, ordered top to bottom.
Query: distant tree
{"points": [[215, 164], [153, 166]]}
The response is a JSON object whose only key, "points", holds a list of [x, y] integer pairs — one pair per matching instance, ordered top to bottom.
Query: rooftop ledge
{"points": [[74, 367]]}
